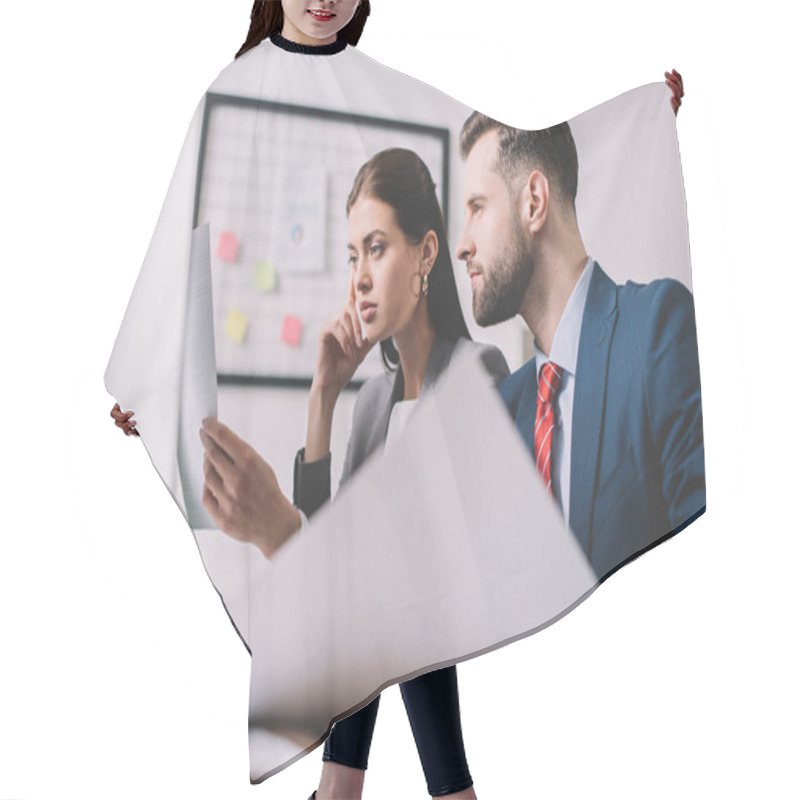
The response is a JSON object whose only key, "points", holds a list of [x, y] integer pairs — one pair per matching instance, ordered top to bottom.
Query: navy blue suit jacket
{"points": [[638, 472]]}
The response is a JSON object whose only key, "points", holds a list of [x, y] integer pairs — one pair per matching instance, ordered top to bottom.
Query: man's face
{"points": [[493, 243]]}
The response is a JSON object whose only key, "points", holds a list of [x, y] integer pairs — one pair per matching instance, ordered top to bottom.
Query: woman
{"points": [[402, 289], [404, 292]]}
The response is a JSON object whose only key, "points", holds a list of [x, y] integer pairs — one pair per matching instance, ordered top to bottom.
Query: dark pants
{"points": [[432, 705]]}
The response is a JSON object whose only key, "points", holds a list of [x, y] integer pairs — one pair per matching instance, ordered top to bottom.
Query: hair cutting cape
{"points": [[445, 545]]}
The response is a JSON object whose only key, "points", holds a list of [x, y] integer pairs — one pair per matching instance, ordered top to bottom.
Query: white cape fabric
{"points": [[447, 546]]}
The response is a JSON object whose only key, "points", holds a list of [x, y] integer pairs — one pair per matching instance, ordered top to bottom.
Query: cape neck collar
{"points": [[308, 49]]}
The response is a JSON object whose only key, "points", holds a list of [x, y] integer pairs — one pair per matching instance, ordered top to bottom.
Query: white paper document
{"points": [[198, 398], [442, 548]]}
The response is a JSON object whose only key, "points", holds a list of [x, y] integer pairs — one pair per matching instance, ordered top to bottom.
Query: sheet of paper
{"points": [[298, 229], [199, 381], [442, 548]]}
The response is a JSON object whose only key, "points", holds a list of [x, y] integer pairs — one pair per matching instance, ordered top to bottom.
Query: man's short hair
{"points": [[552, 151]]}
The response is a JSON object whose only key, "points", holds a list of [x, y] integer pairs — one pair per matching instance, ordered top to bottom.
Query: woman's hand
{"points": [[675, 82], [341, 350], [124, 420], [241, 492]]}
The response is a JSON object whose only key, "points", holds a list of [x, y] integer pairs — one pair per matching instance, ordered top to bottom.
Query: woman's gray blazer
{"points": [[312, 481]]}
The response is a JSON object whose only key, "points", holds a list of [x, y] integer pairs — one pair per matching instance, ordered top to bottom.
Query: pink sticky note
{"points": [[227, 246], [292, 330]]}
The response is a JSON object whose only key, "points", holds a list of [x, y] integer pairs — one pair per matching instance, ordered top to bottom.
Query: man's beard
{"points": [[504, 282]]}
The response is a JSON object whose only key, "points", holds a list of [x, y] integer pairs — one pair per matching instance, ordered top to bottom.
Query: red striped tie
{"points": [[549, 383]]}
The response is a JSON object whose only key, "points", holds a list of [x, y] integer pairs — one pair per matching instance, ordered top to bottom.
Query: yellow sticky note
{"points": [[266, 276], [236, 326]]}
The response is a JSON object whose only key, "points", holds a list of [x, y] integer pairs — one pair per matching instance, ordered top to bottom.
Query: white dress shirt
{"points": [[564, 353], [401, 412]]}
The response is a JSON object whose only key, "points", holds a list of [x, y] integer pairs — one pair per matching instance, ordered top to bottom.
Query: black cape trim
{"points": [[308, 49]]}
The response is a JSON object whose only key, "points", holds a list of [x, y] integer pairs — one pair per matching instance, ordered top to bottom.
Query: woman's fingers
{"points": [[676, 77], [674, 81], [352, 312], [354, 318], [335, 330], [345, 330], [338, 332], [327, 333], [350, 335], [360, 344], [364, 348], [124, 420], [228, 443], [218, 458], [213, 479], [219, 485], [211, 504]]}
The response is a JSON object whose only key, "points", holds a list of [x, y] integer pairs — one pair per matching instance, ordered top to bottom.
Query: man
{"points": [[610, 404]]}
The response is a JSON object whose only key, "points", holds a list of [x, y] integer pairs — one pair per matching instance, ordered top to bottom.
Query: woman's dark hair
{"points": [[266, 18], [400, 179]]}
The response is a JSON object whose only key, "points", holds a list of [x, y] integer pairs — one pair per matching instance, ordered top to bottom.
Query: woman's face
{"points": [[316, 21], [386, 269]]}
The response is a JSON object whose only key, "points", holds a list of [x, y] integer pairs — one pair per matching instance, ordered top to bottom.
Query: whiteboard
{"points": [[272, 183]]}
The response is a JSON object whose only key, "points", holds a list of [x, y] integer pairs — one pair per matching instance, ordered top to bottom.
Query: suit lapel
{"points": [[591, 377], [383, 414]]}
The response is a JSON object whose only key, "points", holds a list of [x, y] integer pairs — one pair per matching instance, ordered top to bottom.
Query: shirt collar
{"points": [[564, 351]]}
